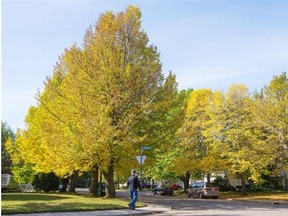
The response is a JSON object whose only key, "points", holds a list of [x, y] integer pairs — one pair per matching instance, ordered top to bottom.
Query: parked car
{"points": [[146, 185], [175, 186], [61, 188], [202, 190], [162, 191]]}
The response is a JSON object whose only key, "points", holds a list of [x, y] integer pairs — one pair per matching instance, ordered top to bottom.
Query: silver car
{"points": [[202, 190]]}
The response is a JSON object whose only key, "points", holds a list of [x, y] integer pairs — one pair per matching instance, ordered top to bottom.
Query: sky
{"points": [[206, 43]]}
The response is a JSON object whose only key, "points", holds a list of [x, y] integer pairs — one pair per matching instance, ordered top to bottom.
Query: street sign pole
{"points": [[141, 160]]}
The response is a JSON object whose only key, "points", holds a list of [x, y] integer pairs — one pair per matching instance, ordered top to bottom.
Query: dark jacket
{"points": [[134, 183]]}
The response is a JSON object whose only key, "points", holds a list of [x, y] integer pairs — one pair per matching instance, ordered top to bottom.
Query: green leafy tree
{"points": [[6, 134], [164, 135], [22, 171]]}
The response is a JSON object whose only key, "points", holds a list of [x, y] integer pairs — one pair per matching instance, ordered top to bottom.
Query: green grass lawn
{"points": [[269, 195], [37, 202]]}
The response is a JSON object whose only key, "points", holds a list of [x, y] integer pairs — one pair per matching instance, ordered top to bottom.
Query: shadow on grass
{"points": [[27, 196], [35, 207]]}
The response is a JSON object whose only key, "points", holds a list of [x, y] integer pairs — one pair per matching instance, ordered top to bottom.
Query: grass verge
{"points": [[269, 195], [12, 203]]}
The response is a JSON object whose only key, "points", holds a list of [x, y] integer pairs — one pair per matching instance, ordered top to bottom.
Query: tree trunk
{"points": [[109, 177], [185, 178], [208, 178], [72, 182], [118, 184], [243, 184], [285, 184], [94, 185]]}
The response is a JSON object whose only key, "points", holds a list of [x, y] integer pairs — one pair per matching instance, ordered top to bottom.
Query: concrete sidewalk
{"points": [[147, 210]]}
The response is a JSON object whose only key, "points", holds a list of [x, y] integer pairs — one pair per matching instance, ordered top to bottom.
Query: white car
{"points": [[202, 190]]}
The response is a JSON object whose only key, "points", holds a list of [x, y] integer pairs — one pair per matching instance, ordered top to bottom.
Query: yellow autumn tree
{"points": [[90, 113], [271, 119], [238, 140], [199, 154]]}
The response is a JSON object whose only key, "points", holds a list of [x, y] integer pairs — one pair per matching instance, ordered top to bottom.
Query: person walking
{"points": [[133, 183]]}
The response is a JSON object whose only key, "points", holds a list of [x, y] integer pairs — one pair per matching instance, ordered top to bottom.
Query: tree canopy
{"points": [[93, 109]]}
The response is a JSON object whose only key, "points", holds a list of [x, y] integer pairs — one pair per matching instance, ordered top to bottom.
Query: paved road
{"points": [[183, 206]]}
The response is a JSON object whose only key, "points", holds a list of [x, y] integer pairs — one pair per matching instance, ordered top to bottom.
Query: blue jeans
{"points": [[133, 195]]}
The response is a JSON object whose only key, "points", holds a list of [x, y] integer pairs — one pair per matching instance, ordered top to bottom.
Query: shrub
{"points": [[46, 182], [223, 184]]}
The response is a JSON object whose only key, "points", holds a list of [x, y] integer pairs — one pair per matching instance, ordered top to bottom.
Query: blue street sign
{"points": [[146, 147]]}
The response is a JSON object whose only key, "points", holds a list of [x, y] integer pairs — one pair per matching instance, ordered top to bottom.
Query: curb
{"points": [[272, 202], [144, 213]]}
